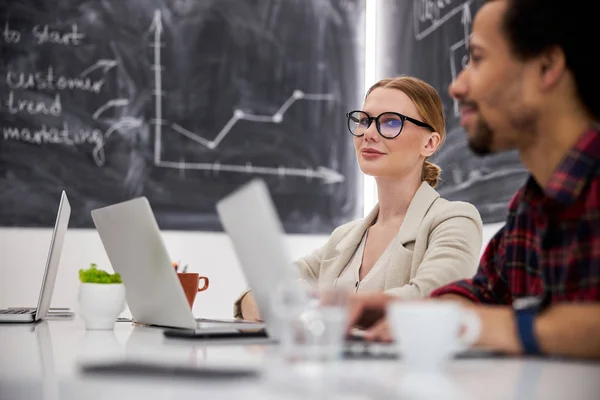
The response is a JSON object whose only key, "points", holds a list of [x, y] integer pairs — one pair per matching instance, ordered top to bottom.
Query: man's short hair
{"points": [[535, 26]]}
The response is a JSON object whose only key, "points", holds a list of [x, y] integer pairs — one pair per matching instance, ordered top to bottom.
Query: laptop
{"points": [[249, 217], [133, 243], [27, 314]]}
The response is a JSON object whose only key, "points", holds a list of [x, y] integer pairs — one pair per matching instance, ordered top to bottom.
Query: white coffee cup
{"points": [[428, 333]]}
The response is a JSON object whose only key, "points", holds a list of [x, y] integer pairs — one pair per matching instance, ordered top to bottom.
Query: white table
{"points": [[42, 362]]}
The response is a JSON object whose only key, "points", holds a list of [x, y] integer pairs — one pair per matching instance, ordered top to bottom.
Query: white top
{"points": [[375, 279]]}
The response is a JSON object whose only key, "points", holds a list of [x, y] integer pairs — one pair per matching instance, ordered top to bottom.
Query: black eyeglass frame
{"points": [[402, 117]]}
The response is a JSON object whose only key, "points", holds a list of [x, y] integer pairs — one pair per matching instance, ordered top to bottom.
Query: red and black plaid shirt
{"points": [[550, 244]]}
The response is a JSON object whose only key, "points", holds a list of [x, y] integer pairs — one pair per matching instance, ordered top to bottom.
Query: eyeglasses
{"points": [[389, 124]]}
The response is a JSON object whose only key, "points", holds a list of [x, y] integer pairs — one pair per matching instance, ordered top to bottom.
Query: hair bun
{"points": [[431, 173]]}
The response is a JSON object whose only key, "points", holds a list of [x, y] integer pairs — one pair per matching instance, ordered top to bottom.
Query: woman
{"points": [[413, 241]]}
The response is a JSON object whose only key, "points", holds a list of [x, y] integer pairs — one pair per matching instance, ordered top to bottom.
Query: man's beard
{"points": [[481, 143]]}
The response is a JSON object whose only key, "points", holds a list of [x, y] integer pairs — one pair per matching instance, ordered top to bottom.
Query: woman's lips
{"points": [[371, 154]]}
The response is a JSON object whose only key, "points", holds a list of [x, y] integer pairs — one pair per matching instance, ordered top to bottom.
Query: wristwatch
{"points": [[526, 310]]}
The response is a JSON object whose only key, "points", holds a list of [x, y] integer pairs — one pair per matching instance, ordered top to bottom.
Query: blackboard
{"points": [[426, 38], [180, 101]]}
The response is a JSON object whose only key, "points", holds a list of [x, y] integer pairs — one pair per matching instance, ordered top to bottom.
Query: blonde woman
{"points": [[413, 241]]}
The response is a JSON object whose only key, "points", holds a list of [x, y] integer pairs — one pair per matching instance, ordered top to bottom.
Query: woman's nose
{"points": [[371, 132]]}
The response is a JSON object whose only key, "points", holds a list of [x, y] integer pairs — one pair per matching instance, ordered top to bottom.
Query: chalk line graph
{"points": [[239, 115], [128, 123], [327, 175]]}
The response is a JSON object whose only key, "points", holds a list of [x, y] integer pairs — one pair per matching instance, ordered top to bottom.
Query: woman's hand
{"points": [[249, 308]]}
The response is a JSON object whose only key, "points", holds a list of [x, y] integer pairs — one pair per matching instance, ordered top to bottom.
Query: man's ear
{"points": [[552, 66], [431, 144]]}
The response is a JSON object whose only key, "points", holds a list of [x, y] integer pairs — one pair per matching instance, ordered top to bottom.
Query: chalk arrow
{"points": [[156, 25], [106, 65], [110, 104], [126, 122], [123, 125], [329, 176]]}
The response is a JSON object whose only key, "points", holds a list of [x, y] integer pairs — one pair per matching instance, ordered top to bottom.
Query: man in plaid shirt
{"points": [[530, 85]]}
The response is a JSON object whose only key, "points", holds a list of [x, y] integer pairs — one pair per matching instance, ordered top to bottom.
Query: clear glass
{"points": [[311, 323], [311, 326]]}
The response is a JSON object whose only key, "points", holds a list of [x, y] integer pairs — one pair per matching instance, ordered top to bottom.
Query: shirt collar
{"points": [[573, 172]]}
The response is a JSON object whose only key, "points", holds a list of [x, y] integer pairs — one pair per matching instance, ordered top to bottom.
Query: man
{"points": [[531, 84]]}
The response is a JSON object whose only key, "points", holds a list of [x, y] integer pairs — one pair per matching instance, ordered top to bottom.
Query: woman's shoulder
{"points": [[443, 209]]}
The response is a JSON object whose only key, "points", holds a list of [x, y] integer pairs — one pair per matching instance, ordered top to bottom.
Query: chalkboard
{"points": [[426, 38], [180, 101]]}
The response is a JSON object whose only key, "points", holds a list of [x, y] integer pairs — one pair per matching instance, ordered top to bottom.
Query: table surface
{"points": [[44, 361]]}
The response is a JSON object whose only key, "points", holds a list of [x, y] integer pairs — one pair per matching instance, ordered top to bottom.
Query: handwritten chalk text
{"points": [[431, 10], [44, 34], [10, 35], [48, 81], [34, 107], [54, 135]]}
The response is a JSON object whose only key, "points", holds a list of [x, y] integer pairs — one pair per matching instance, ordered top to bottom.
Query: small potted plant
{"points": [[101, 297]]}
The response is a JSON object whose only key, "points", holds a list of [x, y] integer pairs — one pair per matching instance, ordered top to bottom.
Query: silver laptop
{"points": [[250, 219], [133, 243], [24, 314]]}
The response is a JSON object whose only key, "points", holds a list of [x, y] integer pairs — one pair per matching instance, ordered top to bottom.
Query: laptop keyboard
{"points": [[18, 311]]}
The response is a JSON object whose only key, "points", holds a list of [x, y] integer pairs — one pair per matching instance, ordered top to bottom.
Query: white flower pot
{"points": [[101, 303]]}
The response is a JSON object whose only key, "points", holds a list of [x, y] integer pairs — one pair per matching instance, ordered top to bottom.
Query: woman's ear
{"points": [[431, 144]]}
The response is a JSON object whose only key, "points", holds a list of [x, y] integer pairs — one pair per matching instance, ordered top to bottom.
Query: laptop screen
{"points": [[250, 219], [54, 252]]}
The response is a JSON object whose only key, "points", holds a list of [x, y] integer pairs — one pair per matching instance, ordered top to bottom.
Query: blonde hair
{"points": [[430, 107]]}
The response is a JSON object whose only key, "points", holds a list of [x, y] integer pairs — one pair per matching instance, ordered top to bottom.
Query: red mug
{"points": [[190, 281]]}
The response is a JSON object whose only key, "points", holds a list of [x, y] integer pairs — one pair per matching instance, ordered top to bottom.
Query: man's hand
{"points": [[367, 309], [498, 329], [379, 332]]}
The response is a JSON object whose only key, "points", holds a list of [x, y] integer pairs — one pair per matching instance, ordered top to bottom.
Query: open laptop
{"points": [[249, 217], [133, 243], [23, 314]]}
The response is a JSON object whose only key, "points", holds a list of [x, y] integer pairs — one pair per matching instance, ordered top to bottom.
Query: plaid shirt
{"points": [[550, 244]]}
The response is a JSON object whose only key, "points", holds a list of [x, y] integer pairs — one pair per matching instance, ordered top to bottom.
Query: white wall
{"points": [[23, 255]]}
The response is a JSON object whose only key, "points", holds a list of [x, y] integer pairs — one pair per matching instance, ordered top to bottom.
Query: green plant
{"points": [[94, 275]]}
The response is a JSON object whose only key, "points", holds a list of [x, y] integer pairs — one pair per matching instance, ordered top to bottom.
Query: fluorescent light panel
{"points": [[371, 44]]}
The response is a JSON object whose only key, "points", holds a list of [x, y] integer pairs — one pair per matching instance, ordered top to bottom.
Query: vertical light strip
{"points": [[371, 45]]}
